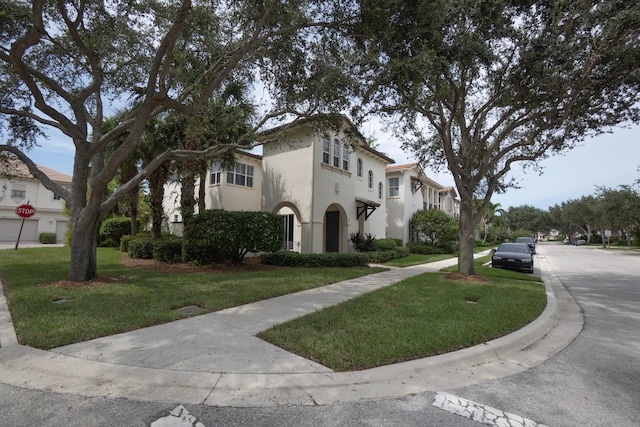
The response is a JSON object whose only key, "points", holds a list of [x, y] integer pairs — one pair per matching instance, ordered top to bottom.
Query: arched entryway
{"points": [[334, 228], [292, 239]]}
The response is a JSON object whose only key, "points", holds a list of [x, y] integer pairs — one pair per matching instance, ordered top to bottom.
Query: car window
{"points": [[513, 248]]}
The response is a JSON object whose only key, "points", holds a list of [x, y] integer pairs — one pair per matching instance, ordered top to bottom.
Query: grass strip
{"points": [[48, 317], [419, 317]]}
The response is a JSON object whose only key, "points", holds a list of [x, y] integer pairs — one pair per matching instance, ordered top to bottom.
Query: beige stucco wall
{"points": [[295, 175]]}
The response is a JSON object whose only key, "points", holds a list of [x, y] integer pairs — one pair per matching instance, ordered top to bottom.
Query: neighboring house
{"points": [[17, 187], [410, 190]]}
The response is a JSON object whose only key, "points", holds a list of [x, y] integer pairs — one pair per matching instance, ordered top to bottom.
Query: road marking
{"points": [[480, 413], [178, 417]]}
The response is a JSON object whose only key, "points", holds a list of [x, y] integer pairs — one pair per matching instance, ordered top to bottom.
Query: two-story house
{"points": [[326, 184], [18, 187], [409, 190]]}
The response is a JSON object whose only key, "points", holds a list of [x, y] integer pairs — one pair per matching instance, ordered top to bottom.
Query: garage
{"points": [[9, 229]]}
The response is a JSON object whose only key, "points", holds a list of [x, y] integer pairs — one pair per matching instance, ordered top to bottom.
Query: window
{"points": [[326, 149], [336, 153], [345, 157], [359, 167], [215, 173], [241, 175], [371, 179], [394, 187], [380, 193], [18, 194], [58, 197], [288, 231]]}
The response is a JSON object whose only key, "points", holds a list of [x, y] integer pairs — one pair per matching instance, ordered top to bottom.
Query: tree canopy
{"points": [[70, 65], [479, 85]]}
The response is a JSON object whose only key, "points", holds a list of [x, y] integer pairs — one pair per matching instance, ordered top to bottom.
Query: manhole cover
{"points": [[190, 309]]}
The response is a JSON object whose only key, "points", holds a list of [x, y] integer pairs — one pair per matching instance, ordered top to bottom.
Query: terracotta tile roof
{"points": [[401, 167], [17, 169]]}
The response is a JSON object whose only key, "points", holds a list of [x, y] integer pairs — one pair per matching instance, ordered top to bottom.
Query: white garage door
{"points": [[9, 229], [61, 230]]}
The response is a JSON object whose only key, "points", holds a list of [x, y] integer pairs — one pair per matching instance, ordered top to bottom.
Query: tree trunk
{"points": [[156, 195], [83, 265], [466, 265]]}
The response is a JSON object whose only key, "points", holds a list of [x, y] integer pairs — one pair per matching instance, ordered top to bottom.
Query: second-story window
{"points": [[326, 150], [336, 153], [345, 156], [359, 167], [215, 173], [241, 175], [371, 179], [394, 187], [380, 192], [18, 194]]}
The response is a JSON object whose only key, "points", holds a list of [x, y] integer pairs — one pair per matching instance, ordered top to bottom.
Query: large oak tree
{"points": [[68, 65], [479, 85]]}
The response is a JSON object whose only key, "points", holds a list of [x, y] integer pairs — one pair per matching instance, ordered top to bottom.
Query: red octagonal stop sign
{"points": [[25, 211]]}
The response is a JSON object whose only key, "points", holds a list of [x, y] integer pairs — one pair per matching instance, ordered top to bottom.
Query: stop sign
{"points": [[25, 211]]}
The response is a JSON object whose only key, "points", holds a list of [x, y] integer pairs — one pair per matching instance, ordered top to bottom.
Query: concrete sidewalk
{"points": [[216, 359]]}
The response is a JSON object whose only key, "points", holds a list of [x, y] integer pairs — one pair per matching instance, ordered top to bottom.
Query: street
{"points": [[594, 381]]}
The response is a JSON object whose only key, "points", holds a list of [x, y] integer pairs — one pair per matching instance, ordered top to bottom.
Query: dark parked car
{"points": [[529, 242], [513, 256]]}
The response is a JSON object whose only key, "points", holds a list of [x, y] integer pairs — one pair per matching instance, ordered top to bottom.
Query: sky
{"points": [[609, 160]]}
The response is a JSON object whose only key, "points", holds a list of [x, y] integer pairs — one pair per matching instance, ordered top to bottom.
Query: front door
{"points": [[332, 231]]}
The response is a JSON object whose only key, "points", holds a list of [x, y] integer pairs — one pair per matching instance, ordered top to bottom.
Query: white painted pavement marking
{"points": [[480, 413], [178, 417]]}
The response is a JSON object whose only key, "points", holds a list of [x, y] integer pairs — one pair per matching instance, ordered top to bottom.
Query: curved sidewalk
{"points": [[215, 359]]}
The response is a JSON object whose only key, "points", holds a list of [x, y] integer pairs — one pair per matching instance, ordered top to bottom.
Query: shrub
{"points": [[434, 227], [112, 230], [215, 235], [48, 238], [124, 242], [363, 242], [385, 245], [141, 247], [168, 249], [424, 249], [380, 257], [329, 259]]}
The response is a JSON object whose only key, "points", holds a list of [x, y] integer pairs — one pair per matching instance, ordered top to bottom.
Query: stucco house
{"points": [[326, 183], [17, 187], [409, 190]]}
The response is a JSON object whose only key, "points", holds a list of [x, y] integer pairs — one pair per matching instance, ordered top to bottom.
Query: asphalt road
{"points": [[595, 381]]}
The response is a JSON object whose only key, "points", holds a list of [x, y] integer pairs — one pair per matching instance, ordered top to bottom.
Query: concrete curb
{"points": [[552, 331]]}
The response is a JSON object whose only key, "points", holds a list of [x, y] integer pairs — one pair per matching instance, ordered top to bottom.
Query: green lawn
{"points": [[425, 315], [47, 317], [419, 317]]}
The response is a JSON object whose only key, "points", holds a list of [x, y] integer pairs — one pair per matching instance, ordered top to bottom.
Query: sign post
{"points": [[24, 212]]}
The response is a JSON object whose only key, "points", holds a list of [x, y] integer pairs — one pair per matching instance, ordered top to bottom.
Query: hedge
{"points": [[112, 230], [216, 235], [48, 238], [141, 247], [168, 250], [329, 259]]}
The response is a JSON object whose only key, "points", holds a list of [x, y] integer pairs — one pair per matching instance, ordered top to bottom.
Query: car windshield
{"points": [[524, 240], [513, 247]]}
